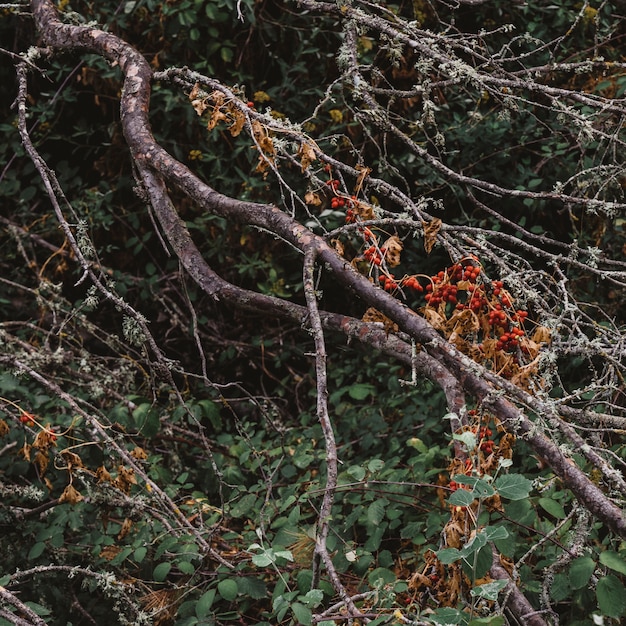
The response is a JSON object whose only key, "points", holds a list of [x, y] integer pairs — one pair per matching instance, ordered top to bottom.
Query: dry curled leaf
{"points": [[306, 154], [312, 198], [431, 230], [393, 249], [139, 453], [72, 460], [70, 495]]}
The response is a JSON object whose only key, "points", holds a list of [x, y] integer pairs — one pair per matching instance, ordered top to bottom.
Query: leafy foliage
{"points": [[172, 455]]}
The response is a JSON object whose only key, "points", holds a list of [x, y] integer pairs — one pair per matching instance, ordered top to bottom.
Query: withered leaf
{"points": [[306, 154], [312, 198], [431, 230], [393, 247], [373, 315], [139, 453], [72, 460], [70, 495], [127, 524]]}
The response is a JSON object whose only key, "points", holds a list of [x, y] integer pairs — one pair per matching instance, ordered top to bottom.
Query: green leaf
{"points": [[360, 391], [147, 419], [468, 438], [375, 465], [357, 472], [513, 486], [461, 497], [243, 505], [552, 507], [376, 511], [495, 533], [36, 550], [139, 554], [448, 555], [262, 560], [613, 561], [186, 567], [161, 571], [580, 571], [4, 581], [251, 587], [228, 589], [489, 591], [611, 596], [312, 598], [204, 603], [302, 614], [448, 617], [494, 620]]}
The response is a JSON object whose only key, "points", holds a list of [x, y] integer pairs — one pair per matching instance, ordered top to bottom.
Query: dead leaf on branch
{"points": [[307, 155], [312, 198], [431, 230], [393, 247], [372, 315], [70, 495]]}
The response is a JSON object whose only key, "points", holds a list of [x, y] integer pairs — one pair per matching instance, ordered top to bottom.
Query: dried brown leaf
{"points": [[306, 154], [312, 198], [431, 230], [393, 247], [372, 315], [70, 495]]}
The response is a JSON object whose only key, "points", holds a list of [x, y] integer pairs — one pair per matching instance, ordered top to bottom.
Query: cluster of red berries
{"points": [[339, 202], [389, 283], [448, 292], [508, 341], [28, 419]]}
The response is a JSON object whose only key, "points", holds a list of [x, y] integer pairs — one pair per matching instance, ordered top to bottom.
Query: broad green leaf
{"points": [[360, 391], [146, 418], [468, 438], [375, 465], [357, 472], [513, 486], [461, 497], [243, 505], [552, 507], [376, 511], [495, 533], [36, 550], [139, 554], [284, 554], [448, 555], [262, 560], [613, 561], [186, 567], [161, 571], [580, 571], [381, 575], [252, 587], [560, 588], [228, 589], [489, 591], [611, 596], [312, 598], [205, 602], [302, 614], [448, 617], [494, 620]]}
